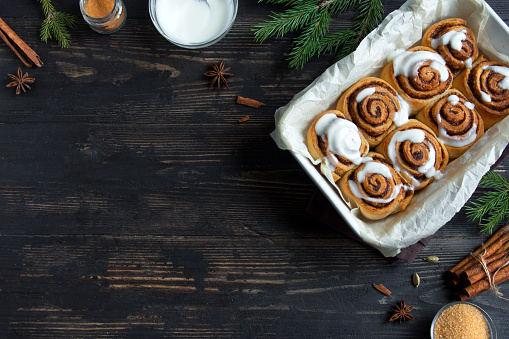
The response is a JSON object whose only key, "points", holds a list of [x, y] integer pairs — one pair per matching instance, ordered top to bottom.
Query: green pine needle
{"points": [[312, 18], [55, 25], [305, 44], [493, 207]]}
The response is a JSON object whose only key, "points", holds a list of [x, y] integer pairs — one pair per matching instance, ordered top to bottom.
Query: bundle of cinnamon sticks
{"points": [[485, 268]]}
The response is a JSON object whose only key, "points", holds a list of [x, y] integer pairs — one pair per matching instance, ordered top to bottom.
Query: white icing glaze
{"points": [[453, 38], [407, 63], [468, 63], [442, 69], [504, 84], [365, 93], [485, 97], [453, 99], [469, 105], [401, 116], [415, 136], [343, 137], [456, 140], [373, 167], [378, 168], [428, 168], [359, 194]]}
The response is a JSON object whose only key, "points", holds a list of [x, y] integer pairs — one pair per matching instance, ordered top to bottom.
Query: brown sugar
{"points": [[99, 8], [461, 321]]}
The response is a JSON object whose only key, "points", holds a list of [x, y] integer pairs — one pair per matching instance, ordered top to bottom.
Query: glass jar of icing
{"points": [[103, 16], [193, 23]]}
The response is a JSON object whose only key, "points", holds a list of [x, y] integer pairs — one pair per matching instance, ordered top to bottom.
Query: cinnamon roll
{"points": [[454, 41], [419, 75], [487, 86], [375, 107], [454, 120], [338, 140], [416, 152], [376, 188]]}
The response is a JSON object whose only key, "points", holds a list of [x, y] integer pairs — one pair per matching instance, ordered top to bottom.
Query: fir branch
{"points": [[370, 14], [313, 18], [283, 23], [55, 25], [305, 44], [493, 207]]}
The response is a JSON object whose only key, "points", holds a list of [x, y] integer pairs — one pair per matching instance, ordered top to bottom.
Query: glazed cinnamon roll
{"points": [[454, 41], [419, 75], [487, 86], [375, 107], [454, 120], [338, 140], [416, 152], [376, 188]]}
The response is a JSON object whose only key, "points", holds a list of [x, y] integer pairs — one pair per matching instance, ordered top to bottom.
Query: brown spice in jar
{"points": [[99, 8], [461, 321]]}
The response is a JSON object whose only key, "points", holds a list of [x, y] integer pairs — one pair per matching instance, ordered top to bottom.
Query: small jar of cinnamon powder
{"points": [[103, 16]]}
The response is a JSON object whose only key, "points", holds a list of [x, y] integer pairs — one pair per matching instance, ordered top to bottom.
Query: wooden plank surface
{"points": [[132, 203]]}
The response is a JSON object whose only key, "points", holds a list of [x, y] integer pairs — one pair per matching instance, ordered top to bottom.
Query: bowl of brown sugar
{"points": [[462, 320]]}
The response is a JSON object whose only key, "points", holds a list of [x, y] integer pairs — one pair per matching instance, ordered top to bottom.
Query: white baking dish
{"points": [[319, 97]]}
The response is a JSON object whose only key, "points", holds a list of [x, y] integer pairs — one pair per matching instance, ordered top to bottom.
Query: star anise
{"points": [[219, 73], [21, 81], [402, 312]]}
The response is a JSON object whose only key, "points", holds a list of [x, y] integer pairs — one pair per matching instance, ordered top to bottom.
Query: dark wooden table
{"points": [[132, 204]]}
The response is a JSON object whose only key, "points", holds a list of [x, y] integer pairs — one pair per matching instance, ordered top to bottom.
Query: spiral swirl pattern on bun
{"points": [[454, 42], [419, 75], [487, 86], [375, 107], [455, 121], [415, 151], [376, 188]]}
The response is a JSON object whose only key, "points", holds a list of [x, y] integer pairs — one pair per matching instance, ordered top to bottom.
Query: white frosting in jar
{"points": [[192, 21], [453, 38], [407, 63]]}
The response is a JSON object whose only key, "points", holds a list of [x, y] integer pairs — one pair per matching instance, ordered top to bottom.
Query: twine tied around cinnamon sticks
{"points": [[483, 269], [491, 277]]}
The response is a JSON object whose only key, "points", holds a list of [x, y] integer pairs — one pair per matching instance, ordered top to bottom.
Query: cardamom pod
{"points": [[431, 259], [416, 280]]}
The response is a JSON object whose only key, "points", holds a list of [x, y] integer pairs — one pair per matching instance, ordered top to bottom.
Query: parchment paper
{"points": [[435, 205]]}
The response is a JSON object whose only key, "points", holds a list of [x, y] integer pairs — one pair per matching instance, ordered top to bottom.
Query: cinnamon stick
{"points": [[18, 46], [249, 102], [243, 119], [501, 234], [486, 253], [495, 265], [478, 268], [483, 285], [382, 289]]}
